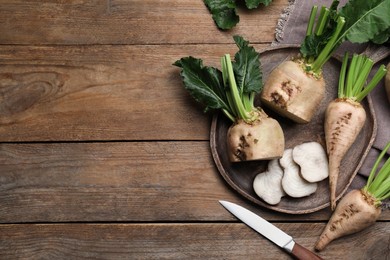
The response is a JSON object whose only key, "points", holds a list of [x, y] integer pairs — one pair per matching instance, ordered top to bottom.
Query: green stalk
{"points": [[322, 20], [310, 25], [326, 53], [359, 64], [356, 68], [343, 71], [363, 72], [350, 79], [370, 86], [228, 93], [252, 99], [237, 102], [247, 102], [231, 103], [230, 116], [373, 171], [382, 175], [383, 190], [385, 196]]}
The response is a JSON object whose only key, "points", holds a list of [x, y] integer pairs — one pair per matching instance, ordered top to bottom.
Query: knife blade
{"points": [[269, 231]]}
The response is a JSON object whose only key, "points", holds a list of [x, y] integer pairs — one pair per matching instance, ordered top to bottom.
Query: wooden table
{"points": [[104, 155]]}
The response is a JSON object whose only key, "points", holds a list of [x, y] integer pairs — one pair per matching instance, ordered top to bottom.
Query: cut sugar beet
{"points": [[313, 161]]}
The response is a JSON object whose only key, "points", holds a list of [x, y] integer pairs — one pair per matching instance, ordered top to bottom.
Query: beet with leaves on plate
{"points": [[253, 135]]}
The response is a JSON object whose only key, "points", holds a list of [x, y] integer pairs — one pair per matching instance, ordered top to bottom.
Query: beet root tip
{"points": [[322, 242]]}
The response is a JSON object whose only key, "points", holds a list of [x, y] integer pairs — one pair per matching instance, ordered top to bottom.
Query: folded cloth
{"points": [[291, 29]]}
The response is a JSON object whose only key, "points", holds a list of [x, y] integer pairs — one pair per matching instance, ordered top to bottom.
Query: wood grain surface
{"points": [[82, 22], [103, 153], [177, 241]]}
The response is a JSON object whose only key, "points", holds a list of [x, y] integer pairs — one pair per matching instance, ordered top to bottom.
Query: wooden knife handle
{"points": [[300, 252]]}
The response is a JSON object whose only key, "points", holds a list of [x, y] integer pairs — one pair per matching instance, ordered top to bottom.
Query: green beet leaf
{"points": [[251, 4], [223, 13], [366, 20], [382, 38], [313, 44], [247, 67], [203, 83]]}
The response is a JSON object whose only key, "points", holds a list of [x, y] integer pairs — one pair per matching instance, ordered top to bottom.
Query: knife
{"points": [[269, 231]]}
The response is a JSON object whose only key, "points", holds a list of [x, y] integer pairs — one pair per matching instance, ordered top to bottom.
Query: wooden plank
{"points": [[127, 22], [100, 93], [116, 181], [108, 182], [178, 241]]}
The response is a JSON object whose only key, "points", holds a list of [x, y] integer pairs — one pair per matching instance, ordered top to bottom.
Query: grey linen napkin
{"points": [[291, 29]]}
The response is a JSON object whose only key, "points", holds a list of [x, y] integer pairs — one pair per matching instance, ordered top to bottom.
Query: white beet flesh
{"points": [[313, 161], [293, 184], [268, 185]]}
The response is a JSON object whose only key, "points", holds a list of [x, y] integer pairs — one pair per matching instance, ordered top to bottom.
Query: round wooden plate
{"points": [[240, 176]]}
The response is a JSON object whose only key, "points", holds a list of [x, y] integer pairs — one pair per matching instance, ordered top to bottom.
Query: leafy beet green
{"points": [[251, 4], [224, 12], [366, 20], [359, 21], [383, 37], [247, 67], [203, 83], [231, 90]]}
